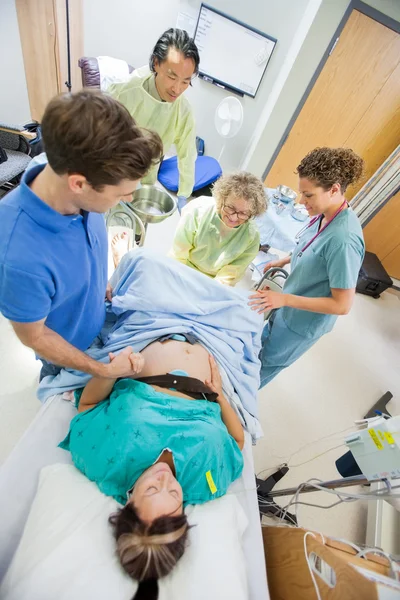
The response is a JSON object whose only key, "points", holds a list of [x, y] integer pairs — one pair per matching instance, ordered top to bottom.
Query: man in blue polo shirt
{"points": [[53, 239]]}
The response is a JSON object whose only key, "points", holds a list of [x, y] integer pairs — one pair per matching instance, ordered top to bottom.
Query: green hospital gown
{"points": [[173, 121], [202, 241], [114, 442]]}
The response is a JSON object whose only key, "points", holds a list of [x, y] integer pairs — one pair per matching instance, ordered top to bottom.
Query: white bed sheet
{"points": [[38, 448]]}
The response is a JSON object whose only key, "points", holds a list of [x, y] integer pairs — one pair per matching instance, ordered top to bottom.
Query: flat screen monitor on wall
{"points": [[232, 55]]}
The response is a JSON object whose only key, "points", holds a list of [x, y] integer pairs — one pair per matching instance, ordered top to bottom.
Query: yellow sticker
{"points": [[381, 435], [389, 438], [375, 439], [210, 482]]}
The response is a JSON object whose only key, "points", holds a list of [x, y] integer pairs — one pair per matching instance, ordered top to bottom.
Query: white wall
{"points": [[281, 19], [128, 29], [320, 34], [14, 103]]}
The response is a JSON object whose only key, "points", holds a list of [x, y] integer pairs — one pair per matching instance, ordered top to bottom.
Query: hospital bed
{"points": [[38, 448]]}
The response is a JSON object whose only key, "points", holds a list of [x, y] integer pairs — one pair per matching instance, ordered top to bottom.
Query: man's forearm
{"points": [[53, 348]]}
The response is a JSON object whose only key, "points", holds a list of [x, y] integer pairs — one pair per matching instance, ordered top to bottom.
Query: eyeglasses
{"points": [[230, 210]]}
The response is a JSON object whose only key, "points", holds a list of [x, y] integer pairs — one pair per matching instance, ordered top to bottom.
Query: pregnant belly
{"points": [[164, 357]]}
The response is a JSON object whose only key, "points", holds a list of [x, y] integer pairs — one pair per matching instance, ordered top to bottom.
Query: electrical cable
{"points": [[317, 456], [288, 459], [341, 495], [308, 562]]}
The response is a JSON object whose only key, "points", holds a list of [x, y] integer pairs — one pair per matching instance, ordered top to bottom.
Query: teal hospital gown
{"points": [[332, 261], [114, 442]]}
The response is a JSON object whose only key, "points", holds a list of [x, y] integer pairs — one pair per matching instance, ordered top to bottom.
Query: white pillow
{"points": [[67, 551]]}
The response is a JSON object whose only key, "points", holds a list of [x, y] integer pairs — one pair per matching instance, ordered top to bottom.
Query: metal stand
{"points": [[122, 215], [380, 406], [266, 494], [267, 505]]}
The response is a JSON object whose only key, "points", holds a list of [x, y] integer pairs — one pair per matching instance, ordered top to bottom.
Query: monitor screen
{"points": [[232, 54]]}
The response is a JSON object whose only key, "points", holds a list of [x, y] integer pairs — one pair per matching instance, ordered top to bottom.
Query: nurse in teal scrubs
{"points": [[324, 264]]}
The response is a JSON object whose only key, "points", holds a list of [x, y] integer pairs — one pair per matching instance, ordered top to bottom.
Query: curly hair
{"points": [[326, 166], [241, 185], [148, 551]]}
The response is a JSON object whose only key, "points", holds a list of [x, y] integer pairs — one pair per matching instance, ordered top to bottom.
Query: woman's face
{"points": [[315, 199], [235, 211], [157, 493]]}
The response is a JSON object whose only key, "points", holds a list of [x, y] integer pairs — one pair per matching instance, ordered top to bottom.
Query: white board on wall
{"points": [[232, 54]]}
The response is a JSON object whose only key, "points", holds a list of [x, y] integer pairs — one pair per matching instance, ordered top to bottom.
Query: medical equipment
{"points": [[284, 193], [283, 197], [149, 205], [152, 205], [299, 213], [123, 216], [311, 223], [272, 279], [376, 448]]}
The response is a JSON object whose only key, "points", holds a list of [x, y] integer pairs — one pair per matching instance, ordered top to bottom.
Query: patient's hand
{"points": [[137, 362], [125, 364], [215, 384]]}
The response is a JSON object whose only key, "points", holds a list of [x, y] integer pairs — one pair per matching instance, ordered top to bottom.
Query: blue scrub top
{"points": [[333, 260], [52, 266], [117, 440]]}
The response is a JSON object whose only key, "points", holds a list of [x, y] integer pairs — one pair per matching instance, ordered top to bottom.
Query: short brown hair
{"points": [[94, 135], [326, 166], [241, 185]]}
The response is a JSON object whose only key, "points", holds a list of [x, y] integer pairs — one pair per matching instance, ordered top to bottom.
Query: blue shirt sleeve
{"points": [[343, 263], [24, 297]]}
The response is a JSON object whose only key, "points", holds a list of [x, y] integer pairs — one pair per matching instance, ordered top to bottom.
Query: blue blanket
{"points": [[155, 296]]}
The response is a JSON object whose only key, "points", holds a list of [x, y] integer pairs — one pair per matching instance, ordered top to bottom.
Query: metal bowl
{"points": [[286, 193], [152, 205]]}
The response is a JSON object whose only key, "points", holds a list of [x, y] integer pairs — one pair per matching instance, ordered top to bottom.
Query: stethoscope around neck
{"points": [[311, 223]]}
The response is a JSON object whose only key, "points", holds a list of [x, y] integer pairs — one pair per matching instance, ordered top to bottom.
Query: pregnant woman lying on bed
{"points": [[156, 443]]}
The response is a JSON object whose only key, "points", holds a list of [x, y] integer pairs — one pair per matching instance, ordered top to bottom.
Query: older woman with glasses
{"points": [[217, 235]]}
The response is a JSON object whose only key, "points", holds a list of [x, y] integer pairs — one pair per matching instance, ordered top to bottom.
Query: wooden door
{"points": [[37, 27], [43, 32], [354, 103], [382, 236]]}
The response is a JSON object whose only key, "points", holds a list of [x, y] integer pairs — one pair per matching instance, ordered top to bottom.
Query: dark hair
{"points": [[178, 39], [94, 135], [326, 166], [148, 551]]}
